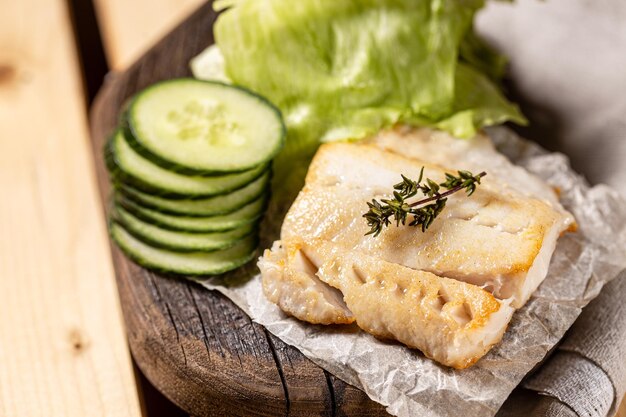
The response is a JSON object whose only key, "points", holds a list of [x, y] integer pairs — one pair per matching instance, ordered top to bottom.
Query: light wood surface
{"points": [[129, 28], [62, 345]]}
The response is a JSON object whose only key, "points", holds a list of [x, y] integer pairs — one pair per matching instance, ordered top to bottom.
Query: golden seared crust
{"points": [[451, 322]]}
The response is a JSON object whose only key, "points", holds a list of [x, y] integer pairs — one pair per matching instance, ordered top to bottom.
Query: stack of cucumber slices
{"points": [[190, 163]]}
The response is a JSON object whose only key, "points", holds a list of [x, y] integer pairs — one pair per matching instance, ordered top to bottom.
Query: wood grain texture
{"points": [[129, 28], [62, 345], [198, 348]]}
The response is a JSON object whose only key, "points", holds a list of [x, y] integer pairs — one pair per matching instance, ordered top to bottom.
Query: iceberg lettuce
{"points": [[344, 69]]}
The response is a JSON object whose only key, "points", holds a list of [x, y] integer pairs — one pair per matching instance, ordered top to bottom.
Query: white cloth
{"points": [[586, 376]]}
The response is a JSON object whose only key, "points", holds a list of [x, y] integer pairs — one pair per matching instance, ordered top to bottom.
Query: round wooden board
{"points": [[194, 345]]}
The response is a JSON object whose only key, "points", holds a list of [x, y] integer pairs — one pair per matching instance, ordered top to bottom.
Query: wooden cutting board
{"points": [[194, 345]]}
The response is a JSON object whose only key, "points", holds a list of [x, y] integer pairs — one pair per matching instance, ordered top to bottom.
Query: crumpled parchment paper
{"points": [[411, 385]]}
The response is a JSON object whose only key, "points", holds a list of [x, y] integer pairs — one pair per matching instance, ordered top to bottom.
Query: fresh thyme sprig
{"points": [[380, 212]]}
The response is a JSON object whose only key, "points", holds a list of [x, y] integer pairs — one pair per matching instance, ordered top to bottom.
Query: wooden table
{"points": [[62, 345]]}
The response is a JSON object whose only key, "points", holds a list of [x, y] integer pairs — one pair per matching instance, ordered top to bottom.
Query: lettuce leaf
{"points": [[475, 52], [344, 69], [477, 103]]}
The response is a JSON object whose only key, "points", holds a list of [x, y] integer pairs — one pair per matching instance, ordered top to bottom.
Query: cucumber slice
{"points": [[194, 126], [130, 167], [211, 206], [245, 215], [181, 241], [193, 263]]}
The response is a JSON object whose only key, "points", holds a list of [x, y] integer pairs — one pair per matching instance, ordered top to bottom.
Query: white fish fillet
{"points": [[475, 154], [500, 239], [295, 287], [450, 321]]}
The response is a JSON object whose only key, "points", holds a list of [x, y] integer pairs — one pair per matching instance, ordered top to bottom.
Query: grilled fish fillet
{"points": [[475, 154], [498, 238], [429, 290], [452, 322]]}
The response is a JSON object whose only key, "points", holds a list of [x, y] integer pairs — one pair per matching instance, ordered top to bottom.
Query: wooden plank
{"points": [[131, 27], [194, 345], [62, 346]]}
